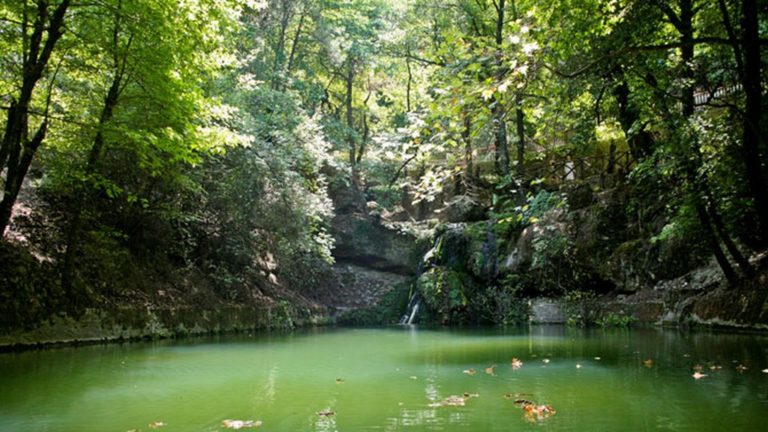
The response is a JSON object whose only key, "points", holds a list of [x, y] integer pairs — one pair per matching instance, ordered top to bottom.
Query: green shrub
{"points": [[580, 308], [612, 319]]}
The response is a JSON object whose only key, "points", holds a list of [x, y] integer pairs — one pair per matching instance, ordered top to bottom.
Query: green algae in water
{"points": [[396, 379]]}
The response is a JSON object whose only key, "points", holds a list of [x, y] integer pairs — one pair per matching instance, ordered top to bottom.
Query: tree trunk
{"points": [[295, 43], [280, 49], [686, 56], [350, 78], [408, 85], [520, 122], [466, 136], [15, 139], [364, 141], [640, 142], [751, 142], [5, 146], [502, 150], [21, 162], [611, 168], [701, 189], [72, 236], [730, 245], [722, 260]]}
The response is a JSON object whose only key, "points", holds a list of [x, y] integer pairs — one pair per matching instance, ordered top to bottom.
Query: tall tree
{"points": [[18, 149], [754, 159]]}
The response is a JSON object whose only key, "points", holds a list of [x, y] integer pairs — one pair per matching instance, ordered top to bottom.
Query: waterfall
{"points": [[415, 301], [411, 310]]}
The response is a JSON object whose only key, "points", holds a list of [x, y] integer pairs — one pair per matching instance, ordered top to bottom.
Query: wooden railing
{"points": [[558, 170]]}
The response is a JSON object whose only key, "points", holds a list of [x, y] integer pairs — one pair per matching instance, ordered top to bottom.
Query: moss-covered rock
{"points": [[462, 208], [630, 266], [29, 289], [446, 293], [387, 310], [127, 323]]}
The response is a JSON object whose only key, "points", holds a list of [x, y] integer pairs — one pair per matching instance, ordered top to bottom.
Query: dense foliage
{"points": [[200, 137]]}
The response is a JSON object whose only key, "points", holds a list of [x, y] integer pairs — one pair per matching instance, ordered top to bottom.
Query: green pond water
{"points": [[392, 379]]}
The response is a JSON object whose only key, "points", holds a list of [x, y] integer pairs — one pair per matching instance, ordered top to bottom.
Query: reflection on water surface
{"points": [[396, 379]]}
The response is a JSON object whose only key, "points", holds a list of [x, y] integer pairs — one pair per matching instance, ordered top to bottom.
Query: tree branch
{"points": [[640, 48], [399, 170]]}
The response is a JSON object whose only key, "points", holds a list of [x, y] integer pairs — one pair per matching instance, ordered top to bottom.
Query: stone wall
{"points": [[131, 323]]}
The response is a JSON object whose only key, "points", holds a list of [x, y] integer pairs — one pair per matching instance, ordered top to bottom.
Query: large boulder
{"points": [[461, 208], [365, 241], [522, 254], [630, 266]]}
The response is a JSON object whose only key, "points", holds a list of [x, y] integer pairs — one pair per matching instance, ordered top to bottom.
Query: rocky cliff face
{"points": [[376, 259], [580, 259]]}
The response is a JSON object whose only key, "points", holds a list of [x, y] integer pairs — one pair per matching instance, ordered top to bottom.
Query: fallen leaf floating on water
{"points": [[598, 358], [546, 361], [648, 363], [516, 364], [578, 366], [715, 367], [698, 368], [741, 368], [489, 369], [765, 370], [470, 371], [698, 375], [413, 377], [339, 381], [516, 396], [449, 401], [455, 401], [326, 413], [535, 413], [240, 424], [156, 425]]}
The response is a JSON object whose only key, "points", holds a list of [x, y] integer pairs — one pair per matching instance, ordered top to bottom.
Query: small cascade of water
{"points": [[415, 301], [411, 310]]}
